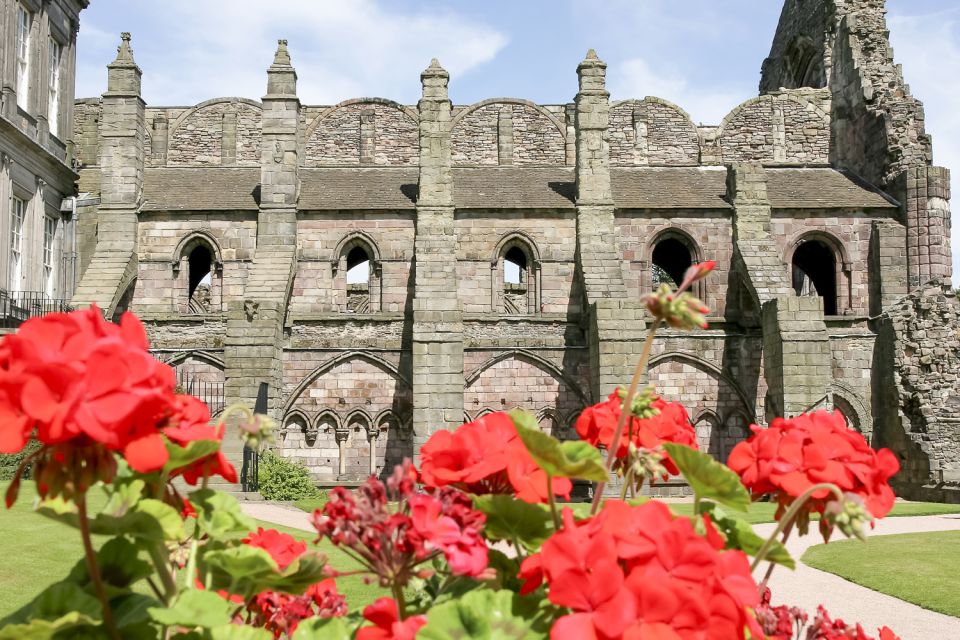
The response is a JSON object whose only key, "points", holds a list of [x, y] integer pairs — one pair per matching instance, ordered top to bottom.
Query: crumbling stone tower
{"points": [[389, 270]]}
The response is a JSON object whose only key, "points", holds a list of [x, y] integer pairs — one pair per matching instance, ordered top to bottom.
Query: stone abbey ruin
{"points": [[388, 270]]}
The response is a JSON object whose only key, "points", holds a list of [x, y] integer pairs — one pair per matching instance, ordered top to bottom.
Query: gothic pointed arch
{"points": [[515, 275], [534, 359], [375, 361], [735, 398]]}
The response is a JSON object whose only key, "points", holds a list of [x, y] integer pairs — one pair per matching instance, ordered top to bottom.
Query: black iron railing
{"points": [[20, 306], [211, 393], [250, 471]]}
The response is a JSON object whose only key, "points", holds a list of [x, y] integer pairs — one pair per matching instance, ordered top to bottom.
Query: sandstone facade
{"points": [[389, 270]]}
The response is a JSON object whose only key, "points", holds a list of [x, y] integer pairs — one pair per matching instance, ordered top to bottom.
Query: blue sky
{"points": [[705, 55]]}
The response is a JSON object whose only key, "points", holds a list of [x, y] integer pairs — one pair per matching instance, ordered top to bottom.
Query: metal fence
{"points": [[19, 306], [210, 392]]}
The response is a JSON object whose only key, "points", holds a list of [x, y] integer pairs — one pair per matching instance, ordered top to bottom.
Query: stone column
{"points": [[505, 135], [160, 139], [368, 140], [228, 143], [121, 160], [924, 194], [437, 318], [616, 327], [796, 348], [253, 350], [342, 435]]}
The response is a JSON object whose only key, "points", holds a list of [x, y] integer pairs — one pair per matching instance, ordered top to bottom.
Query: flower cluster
{"points": [[88, 388], [666, 422], [486, 456], [792, 456], [393, 542], [640, 572], [280, 613], [788, 623]]}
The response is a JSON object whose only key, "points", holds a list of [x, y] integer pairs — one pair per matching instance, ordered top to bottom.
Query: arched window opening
{"points": [[804, 65], [671, 259], [358, 266], [514, 267], [815, 274], [200, 279], [515, 279]]}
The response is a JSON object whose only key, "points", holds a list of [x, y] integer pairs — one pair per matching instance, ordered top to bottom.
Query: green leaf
{"points": [[182, 456], [574, 459], [709, 478], [219, 515], [144, 518], [515, 520], [740, 535], [119, 562], [246, 569], [195, 608], [131, 614], [488, 615], [326, 628], [47, 629], [238, 632]]}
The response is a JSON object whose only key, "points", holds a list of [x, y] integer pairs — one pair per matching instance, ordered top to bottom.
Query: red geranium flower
{"points": [[74, 377], [190, 421], [598, 424], [486, 456], [791, 456], [453, 528], [282, 547], [639, 573], [281, 613], [385, 617]]}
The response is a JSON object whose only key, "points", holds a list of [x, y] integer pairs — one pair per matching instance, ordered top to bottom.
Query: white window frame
{"points": [[23, 29], [54, 58], [18, 213], [50, 226]]}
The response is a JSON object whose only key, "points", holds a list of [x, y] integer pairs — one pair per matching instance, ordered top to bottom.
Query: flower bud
{"points": [[697, 272], [850, 516]]}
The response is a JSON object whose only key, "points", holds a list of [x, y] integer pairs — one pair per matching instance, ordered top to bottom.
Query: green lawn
{"points": [[760, 512], [38, 551], [921, 568]]}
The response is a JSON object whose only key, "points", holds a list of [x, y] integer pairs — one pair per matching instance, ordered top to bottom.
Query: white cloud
{"points": [[928, 47], [191, 51], [636, 78]]}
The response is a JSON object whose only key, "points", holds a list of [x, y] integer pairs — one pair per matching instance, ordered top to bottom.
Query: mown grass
{"points": [[759, 512], [38, 551], [921, 568]]}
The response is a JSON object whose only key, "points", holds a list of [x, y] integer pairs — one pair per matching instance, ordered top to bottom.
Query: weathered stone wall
{"points": [[784, 128], [363, 132], [652, 132], [508, 133], [197, 136], [161, 236], [709, 236], [481, 238], [320, 285], [852, 347], [703, 372], [549, 383], [917, 390], [348, 397]]}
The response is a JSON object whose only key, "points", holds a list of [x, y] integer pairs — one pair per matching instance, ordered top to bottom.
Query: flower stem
{"points": [[625, 411], [627, 483], [553, 503], [790, 516], [160, 563], [93, 568], [766, 578], [401, 601]]}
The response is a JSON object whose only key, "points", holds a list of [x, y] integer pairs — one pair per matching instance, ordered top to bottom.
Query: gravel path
{"points": [[806, 587]]}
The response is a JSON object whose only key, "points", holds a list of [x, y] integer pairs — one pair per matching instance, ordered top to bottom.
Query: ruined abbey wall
{"points": [[506, 246]]}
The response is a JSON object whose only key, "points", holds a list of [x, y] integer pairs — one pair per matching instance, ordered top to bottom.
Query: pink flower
{"points": [[387, 623]]}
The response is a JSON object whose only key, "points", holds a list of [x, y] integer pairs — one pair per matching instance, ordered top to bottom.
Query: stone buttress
{"points": [[114, 263], [437, 316], [615, 323], [796, 347], [253, 349]]}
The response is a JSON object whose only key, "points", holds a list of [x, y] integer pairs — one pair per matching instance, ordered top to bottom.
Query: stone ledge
{"points": [[174, 317], [305, 318]]}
